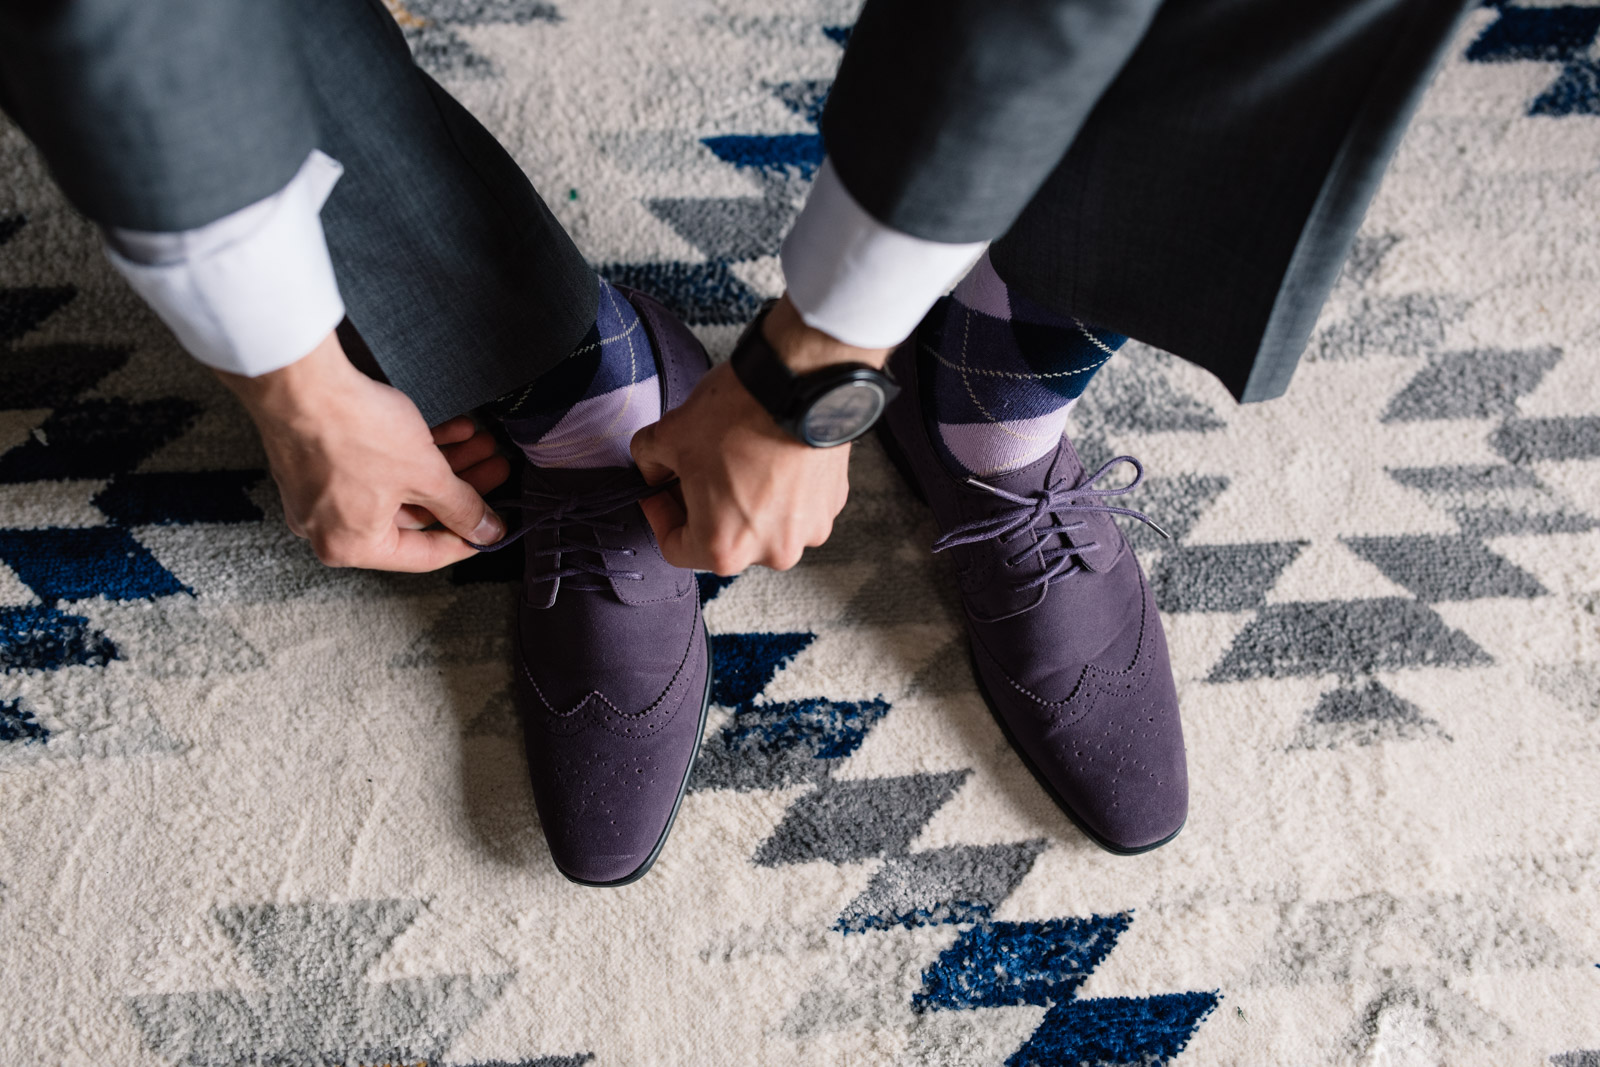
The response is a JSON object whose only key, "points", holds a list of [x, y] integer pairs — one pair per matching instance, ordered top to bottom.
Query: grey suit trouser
{"points": [[1187, 172], [1190, 173], [453, 271]]}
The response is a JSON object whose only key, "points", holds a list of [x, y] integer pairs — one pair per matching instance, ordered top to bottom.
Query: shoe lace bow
{"points": [[1026, 511]]}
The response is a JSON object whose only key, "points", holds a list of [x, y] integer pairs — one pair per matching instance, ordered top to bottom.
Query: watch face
{"points": [[843, 414]]}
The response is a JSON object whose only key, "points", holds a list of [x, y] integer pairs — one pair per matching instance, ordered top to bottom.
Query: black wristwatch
{"points": [[827, 407]]}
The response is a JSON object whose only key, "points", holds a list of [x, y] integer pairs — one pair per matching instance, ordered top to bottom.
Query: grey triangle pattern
{"points": [[429, 28], [735, 228], [1366, 256], [1411, 324], [1479, 384], [1134, 394], [1560, 438], [1489, 501], [1176, 502], [1437, 568], [1220, 577], [902, 591], [473, 627], [173, 638], [1350, 638], [949, 670], [1577, 685], [1363, 714], [496, 718], [105, 728], [779, 745], [720, 766], [844, 821], [962, 883], [1342, 939], [317, 942], [315, 1008], [1578, 1058]]}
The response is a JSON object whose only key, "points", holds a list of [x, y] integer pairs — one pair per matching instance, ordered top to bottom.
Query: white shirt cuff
{"points": [[860, 281], [253, 291]]}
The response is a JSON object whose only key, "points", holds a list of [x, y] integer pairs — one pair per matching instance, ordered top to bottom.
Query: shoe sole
{"points": [[902, 464], [683, 787]]}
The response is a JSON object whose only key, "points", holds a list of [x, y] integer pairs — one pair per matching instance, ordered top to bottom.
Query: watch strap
{"points": [[762, 371]]}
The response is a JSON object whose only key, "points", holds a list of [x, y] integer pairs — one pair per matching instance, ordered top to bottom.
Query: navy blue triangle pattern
{"points": [[1557, 34], [776, 152], [728, 230], [22, 310], [48, 376], [97, 439], [90, 440], [181, 498], [81, 563], [711, 584], [37, 638], [747, 662], [17, 724], [766, 744], [1001, 964]]}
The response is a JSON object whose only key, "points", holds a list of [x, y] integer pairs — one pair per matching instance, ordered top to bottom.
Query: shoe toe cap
{"points": [[1121, 771], [604, 822]]}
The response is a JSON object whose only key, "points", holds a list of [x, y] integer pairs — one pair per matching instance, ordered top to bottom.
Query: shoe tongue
{"points": [[1066, 467]]}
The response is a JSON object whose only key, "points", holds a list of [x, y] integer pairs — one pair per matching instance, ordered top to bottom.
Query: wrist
{"points": [[804, 348], [302, 391]]}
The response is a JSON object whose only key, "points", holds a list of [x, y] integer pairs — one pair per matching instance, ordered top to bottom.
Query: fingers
{"points": [[455, 430], [470, 451], [488, 475], [458, 506]]}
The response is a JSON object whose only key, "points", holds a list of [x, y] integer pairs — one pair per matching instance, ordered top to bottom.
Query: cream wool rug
{"points": [[256, 812]]}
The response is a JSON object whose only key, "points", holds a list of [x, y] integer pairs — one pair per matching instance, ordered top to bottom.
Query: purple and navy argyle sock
{"points": [[1000, 373], [585, 410]]}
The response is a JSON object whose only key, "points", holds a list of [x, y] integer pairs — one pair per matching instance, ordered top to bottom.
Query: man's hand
{"points": [[360, 473], [748, 492]]}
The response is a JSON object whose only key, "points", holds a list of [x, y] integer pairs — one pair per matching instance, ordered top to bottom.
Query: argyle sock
{"points": [[1000, 374], [585, 410]]}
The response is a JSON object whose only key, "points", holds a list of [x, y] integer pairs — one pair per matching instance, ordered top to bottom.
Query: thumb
{"points": [[651, 455], [462, 511]]}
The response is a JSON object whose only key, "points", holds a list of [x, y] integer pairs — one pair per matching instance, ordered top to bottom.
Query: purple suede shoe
{"points": [[1066, 642], [613, 669]]}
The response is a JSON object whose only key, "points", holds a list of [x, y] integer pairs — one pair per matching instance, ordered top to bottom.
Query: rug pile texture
{"points": [[253, 811]]}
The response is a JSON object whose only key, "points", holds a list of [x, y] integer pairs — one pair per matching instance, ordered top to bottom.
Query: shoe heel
{"points": [[891, 448]]}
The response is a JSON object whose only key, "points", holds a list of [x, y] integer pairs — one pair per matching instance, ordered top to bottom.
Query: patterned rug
{"points": [[259, 812]]}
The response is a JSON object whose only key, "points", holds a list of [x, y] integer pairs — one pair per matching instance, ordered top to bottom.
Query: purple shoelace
{"points": [[1026, 512], [566, 514]]}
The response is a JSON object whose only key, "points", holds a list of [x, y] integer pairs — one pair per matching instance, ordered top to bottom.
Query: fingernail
{"points": [[490, 530]]}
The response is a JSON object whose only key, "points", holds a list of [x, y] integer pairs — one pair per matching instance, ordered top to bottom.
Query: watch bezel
{"points": [[810, 391]]}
